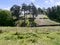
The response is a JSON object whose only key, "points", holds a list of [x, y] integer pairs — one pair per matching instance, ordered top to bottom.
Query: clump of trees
{"points": [[27, 9], [54, 13], [7, 17]]}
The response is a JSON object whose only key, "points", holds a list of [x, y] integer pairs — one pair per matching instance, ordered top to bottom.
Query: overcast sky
{"points": [[7, 4]]}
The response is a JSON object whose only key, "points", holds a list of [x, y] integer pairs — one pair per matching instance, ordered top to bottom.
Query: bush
{"points": [[6, 18], [20, 23], [27, 23]]}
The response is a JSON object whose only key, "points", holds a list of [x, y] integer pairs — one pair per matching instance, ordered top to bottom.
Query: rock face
{"points": [[44, 20]]}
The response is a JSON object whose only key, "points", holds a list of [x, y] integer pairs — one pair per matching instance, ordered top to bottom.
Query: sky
{"points": [[7, 4]]}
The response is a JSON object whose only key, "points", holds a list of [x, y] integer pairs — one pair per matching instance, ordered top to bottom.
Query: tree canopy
{"points": [[15, 9], [54, 13], [6, 18]]}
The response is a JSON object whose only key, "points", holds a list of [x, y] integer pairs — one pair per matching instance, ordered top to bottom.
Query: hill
{"points": [[44, 20]]}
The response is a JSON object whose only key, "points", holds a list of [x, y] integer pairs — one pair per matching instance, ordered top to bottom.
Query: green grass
{"points": [[30, 35]]}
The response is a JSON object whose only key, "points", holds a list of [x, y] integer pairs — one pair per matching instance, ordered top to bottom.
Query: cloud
{"points": [[32, 0], [46, 1], [51, 1], [57, 3], [38, 6], [8, 8]]}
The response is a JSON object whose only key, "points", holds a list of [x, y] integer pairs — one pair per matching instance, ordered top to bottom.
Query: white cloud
{"points": [[32, 0], [46, 1], [52, 1], [49, 2], [57, 3], [38, 6], [6, 8]]}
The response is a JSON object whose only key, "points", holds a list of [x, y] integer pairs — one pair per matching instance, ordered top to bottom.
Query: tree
{"points": [[24, 8], [29, 8], [15, 9], [33, 10], [39, 11], [44, 11], [49, 12], [54, 13], [6, 18]]}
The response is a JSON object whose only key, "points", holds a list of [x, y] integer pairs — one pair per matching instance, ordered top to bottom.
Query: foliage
{"points": [[15, 9], [34, 10], [40, 11], [54, 13], [6, 18], [27, 23], [29, 35]]}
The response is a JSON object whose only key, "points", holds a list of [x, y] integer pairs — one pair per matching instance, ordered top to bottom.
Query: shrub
{"points": [[6, 18], [20, 23], [27, 23], [1, 31]]}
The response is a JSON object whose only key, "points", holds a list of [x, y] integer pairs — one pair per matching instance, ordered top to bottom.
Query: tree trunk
{"points": [[24, 14], [33, 17], [24, 18]]}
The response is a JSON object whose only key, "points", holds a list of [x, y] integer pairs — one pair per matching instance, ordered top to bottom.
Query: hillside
{"points": [[44, 20]]}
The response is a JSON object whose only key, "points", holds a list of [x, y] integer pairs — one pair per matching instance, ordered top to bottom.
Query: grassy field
{"points": [[30, 35]]}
